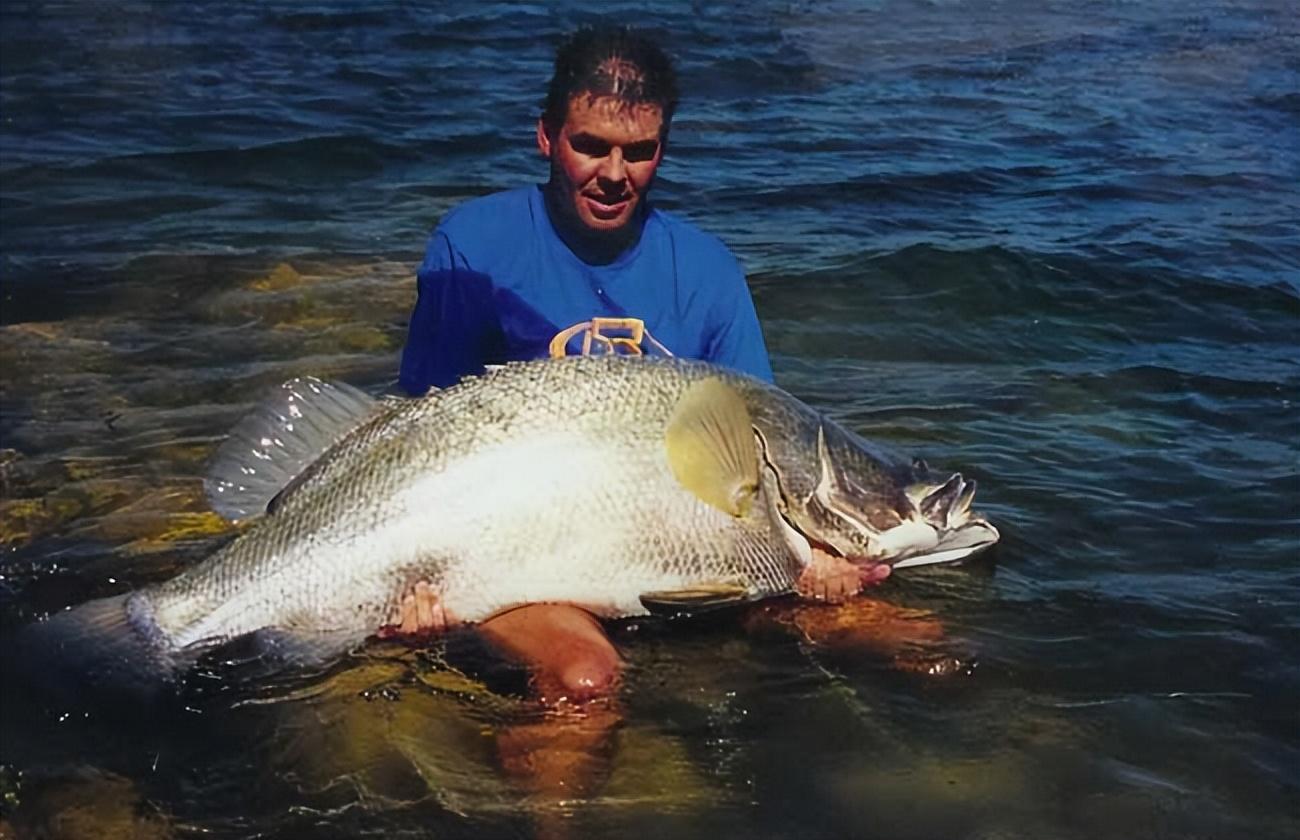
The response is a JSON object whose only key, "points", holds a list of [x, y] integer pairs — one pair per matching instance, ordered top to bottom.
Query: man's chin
{"points": [[597, 226], [603, 226]]}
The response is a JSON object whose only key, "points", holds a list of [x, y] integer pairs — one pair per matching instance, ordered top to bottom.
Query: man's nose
{"points": [[613, 168]]}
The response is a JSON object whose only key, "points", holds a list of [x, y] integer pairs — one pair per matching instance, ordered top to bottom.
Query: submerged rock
{"points": [[84, 804]]}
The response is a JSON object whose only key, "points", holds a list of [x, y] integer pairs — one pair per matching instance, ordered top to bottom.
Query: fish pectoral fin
{"points": [[711, 450], [263, 459], [692, 600]]}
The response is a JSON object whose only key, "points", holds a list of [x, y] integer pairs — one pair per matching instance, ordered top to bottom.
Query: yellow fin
{"points": [[711, 446], [695, 599]]}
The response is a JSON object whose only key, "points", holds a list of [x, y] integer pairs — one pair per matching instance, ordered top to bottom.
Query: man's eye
{"points": [[589, 147], [640, 152]]}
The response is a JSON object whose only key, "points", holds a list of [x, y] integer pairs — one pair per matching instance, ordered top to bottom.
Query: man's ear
{"points": [[543, 139]]}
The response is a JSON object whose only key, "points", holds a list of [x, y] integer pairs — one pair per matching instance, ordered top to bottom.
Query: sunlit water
{"points": [[1054, 245]]}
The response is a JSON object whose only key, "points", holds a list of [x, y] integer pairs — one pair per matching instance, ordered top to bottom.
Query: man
{"points": [[581, 263], [508, 275]]}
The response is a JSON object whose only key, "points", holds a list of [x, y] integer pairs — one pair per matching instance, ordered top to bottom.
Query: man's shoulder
{"points": [[480, 218], [693, 245]]}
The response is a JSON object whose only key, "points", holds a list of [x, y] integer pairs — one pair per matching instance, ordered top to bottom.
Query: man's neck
{"points": [[593, 248]]}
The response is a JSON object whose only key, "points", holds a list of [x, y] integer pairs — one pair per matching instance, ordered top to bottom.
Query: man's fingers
{"points": [[872, 575], [835, 579], [424, 604], [410, 616]]}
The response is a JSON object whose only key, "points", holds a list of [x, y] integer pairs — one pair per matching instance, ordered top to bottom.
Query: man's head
{"points": [[603, 129]]}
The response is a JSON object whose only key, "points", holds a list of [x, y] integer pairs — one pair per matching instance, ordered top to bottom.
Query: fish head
{"points": [[943, 502], [870, 508]]}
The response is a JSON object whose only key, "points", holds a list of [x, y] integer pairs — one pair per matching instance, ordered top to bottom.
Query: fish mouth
{"points": [[940, 528], [958, 531], [946, 533], [974, 537]]}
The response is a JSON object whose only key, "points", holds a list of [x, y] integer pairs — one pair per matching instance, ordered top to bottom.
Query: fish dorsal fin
{"points": [[278, 440], [711, 448]]}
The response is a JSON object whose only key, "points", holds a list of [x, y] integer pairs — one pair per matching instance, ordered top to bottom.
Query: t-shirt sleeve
{"points": [[454, 328], [737, 338]]}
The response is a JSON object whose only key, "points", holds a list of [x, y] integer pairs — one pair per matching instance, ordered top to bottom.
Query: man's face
{"points": [[603, 160]]}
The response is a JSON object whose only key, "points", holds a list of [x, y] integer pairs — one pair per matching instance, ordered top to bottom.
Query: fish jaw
{"points": [[856, 511], [942, 528], [960, 532], [971, 539], [913, 542]]}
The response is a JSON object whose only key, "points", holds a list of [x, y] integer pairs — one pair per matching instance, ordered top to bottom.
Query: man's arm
{"points": [[454, 327], [737, 339]]}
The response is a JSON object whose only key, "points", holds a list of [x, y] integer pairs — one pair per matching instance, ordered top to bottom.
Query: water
{"points": [[1054, 245]]}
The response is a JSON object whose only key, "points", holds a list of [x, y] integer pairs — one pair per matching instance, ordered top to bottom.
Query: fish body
{"points": [[590, 481]]}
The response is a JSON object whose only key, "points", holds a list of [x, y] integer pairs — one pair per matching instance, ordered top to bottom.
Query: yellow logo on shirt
{"points": [[609, 336]]}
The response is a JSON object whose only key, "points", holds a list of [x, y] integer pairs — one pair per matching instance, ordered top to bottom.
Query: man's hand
{"points": [[834, 580], [420, 613]]}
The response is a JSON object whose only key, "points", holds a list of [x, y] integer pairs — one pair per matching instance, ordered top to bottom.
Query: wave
{"points": [[325, 21], [423, 29], [1288, 103], [316, 160], [955, 186], [959, 187], [92, 209], [1049, 276], [998, 305], [1169, 379]]}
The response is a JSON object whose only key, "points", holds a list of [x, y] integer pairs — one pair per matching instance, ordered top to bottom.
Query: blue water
{"points": [[1054, 245]]}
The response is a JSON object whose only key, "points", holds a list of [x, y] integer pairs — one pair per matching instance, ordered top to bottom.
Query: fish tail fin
{"points": [[107, 646]]}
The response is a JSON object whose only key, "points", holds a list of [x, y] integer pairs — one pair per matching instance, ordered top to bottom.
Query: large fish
{"points": [[620, 485]]}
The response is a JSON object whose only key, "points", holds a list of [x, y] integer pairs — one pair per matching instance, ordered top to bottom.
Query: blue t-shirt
{"points": [[498, 284]]}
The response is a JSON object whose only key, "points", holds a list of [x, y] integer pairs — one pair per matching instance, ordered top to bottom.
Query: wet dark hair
{"points": [[610, 61]]}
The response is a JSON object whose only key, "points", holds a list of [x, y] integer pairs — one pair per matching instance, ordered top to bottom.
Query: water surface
{"points": [[1053, 245]]}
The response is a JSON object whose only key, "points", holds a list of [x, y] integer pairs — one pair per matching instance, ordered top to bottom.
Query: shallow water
{"points": [[1056, 246]]}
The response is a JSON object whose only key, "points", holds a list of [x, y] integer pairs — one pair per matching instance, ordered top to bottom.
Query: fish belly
{"points": [[550, 517], [562, 517]]}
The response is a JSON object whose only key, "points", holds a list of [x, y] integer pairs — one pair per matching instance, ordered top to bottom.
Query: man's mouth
{"points": [[607, 206]]}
